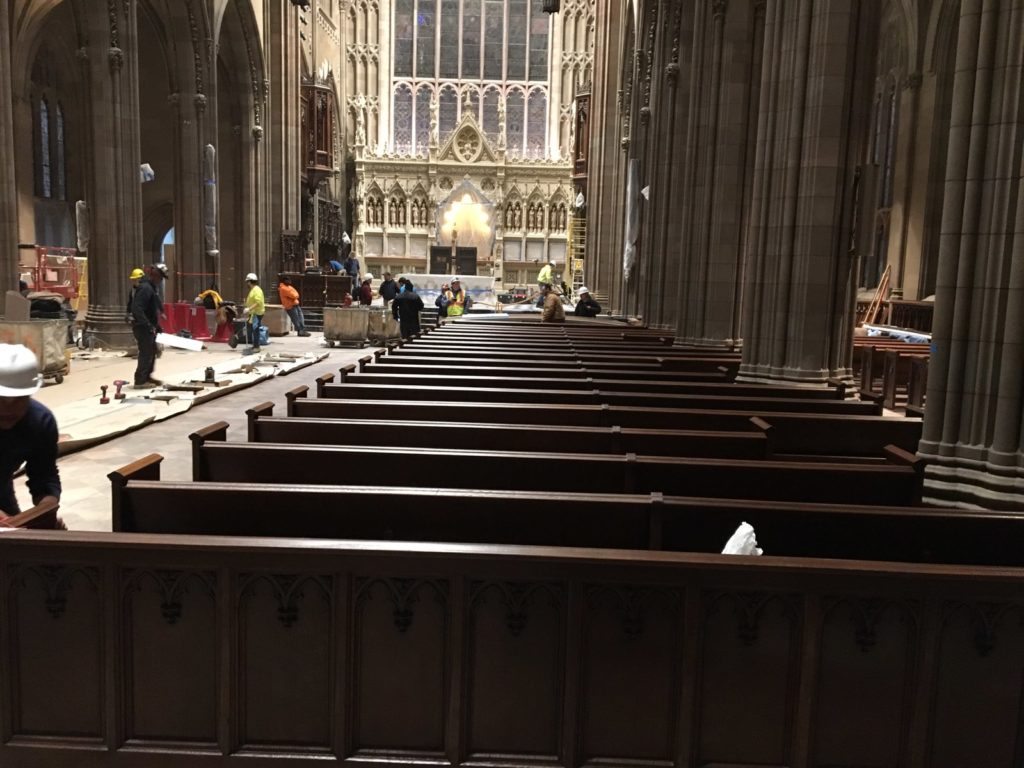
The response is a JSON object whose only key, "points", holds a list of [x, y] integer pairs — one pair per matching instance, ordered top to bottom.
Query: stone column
{"points": [[725, 83], [283, 147], [8, 186], [113, 190], [191, 263], [603, 267], [797, 314], [974, 430]]}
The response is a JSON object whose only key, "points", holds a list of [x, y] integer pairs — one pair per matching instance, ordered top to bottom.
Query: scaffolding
{"points": [[577, 250]]}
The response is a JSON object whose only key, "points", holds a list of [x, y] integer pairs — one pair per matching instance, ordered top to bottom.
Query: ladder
{"points": [[577, 251], [881, 294]]}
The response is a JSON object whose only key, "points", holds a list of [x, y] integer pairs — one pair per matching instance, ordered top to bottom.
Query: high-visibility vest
{"points": [[456, 306]]}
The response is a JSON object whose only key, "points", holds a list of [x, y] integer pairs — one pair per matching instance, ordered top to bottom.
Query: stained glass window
{"points": [[404, 10], [475, 47], [423, 98], [448, 108], [516, 114], [537, 114], [403, 119], [61, 169], [46, 187]]}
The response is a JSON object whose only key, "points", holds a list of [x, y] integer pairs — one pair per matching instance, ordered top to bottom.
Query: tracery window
{"points": [[465, 48], [45, 181]]}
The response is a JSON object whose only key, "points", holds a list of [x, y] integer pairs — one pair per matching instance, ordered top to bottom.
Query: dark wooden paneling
{"points": [[400, 628], [285, 639], [57, 640], [170, 647], [867, 649], [515, 662], [630, 671], [748, 678], [977, 709]]}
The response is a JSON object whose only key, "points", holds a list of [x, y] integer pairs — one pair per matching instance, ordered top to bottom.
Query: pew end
{"points": [[365, 361], [344, 371], [323, 381], [292, 395], [263, 410], [915, 411], [217, 432], [900, 457], [146, 468], [42, 516]]}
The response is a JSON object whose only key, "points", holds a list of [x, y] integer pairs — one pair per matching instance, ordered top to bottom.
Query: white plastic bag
{"points": [[743, 542]]}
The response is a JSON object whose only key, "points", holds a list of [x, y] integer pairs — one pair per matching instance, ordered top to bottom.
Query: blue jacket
{"points": [[33, 442]]}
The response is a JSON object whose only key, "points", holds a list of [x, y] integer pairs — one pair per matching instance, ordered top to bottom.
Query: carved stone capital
{"points": [[719, 8], [116, 58], [672, 73], [200, 102], [645, 115], [257, 132]]}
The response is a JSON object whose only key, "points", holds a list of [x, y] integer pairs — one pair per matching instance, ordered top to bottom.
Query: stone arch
{"points": [[239, 130]]}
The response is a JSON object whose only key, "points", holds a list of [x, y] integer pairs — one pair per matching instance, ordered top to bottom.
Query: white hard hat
{"points": [[161, 268], [368, 276], [251, 277], [455, 279], [583, 289], [19, 371]]}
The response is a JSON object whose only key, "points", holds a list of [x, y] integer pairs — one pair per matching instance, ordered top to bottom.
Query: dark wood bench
{"points": [[596, 359], [454, 371], [531, 380], [593, 397], [264, 428], [796, 433], [896, 483], [143, 504], [41, 516], [142, 650]]}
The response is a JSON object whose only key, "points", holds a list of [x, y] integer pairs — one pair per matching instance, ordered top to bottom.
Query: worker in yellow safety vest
{"points": [[456, 299]]}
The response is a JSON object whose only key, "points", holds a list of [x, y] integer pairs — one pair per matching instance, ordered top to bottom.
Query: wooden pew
{"points": [[654, 372], [526, 379], [595, 397], [264, 428], [795, 433], [896, 483], [143, 504], [42, 516], [141, 650]]}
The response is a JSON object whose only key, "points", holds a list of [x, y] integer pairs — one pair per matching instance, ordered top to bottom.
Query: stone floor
{"points": [[85, 502]]}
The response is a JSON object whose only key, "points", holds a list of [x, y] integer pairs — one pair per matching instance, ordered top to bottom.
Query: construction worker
{"points": [[547, 274], [136, 275], [366, 290], [209, 298], [456, 299], [290, 301], [255, 306], [586, 306], [146, 311], [553, 311], [28, 431]]}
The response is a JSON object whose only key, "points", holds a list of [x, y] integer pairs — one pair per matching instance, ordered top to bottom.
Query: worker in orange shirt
{"points": [[290, 301]]}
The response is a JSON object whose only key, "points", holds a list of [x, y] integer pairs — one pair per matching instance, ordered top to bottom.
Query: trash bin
{"points": [[346, 325], [383, 326], [47, 338]]}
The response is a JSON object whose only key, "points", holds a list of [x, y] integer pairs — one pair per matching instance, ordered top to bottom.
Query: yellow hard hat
{"points": [[136, 274]]}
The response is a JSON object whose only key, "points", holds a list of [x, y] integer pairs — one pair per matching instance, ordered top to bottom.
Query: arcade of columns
{"points": [[155, 81], [790, 150]]}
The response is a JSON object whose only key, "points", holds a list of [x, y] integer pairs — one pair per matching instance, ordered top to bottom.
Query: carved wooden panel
{"points": [[632, 638], [285, 641], [56, 646], [867, 647], [170, 651], [979, 659], [400, 664], [514, 668], [749, 670]]}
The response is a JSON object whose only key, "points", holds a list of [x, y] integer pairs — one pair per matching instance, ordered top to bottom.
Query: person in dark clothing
{"points": [[352, 268], [388, 289], [366, 290], [441, 302], [586, 306], [146, 307], [406, 310], [28, 431]]}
